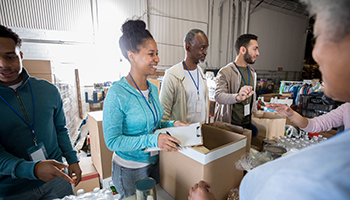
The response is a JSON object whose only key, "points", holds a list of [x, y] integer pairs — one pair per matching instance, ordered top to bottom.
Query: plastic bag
{"points": [[252, 159], [97, 194], [233, 194]]}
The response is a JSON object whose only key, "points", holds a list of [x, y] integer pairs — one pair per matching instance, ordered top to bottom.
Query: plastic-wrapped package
{"points": [[252, 159], [97, 194], [233, 194]]}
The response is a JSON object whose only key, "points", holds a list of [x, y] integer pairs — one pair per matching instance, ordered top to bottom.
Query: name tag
{"points": [[198, 106], [246, 109], [37, 153], [154, 153]]}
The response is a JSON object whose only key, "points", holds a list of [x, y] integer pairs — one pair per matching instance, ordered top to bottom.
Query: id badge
{"points": [[198, 106], [246, 109], [37, 153], [154, 153]]}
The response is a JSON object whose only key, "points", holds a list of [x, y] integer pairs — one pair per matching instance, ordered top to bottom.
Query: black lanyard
{"points": [[30, 126]]}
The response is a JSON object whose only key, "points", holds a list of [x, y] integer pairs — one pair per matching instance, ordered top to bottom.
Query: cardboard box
{"points": [[37, 66], [39, 69], [157, 75], [48, 77], [155, 82], [287, 94], [269, 125], [236, 129], [329, 134], [101, 156], [181, 170], [90, 178]]}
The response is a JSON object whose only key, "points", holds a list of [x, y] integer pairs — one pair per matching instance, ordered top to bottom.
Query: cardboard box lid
{"points": [[230, 127], [225, 143], [213, 154]]}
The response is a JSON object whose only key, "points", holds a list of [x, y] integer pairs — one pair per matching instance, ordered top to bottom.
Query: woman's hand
{"points": [[281, 109], [286, 111], [180, 123], [167, 143]]}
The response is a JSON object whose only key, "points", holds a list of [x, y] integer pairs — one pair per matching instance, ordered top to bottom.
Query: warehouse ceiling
{"points": [[290, 5]]}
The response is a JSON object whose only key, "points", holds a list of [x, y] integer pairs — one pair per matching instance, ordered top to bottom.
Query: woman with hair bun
{"points": [[132, 112]]}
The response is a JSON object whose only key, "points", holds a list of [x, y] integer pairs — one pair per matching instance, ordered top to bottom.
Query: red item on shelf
{"points": [[313, 134]]}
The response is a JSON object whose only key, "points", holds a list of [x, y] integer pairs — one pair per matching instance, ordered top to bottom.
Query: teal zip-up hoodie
{"points": [[128, 121], [16, 168]]}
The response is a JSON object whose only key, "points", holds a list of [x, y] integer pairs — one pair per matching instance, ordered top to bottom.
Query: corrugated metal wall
{"points": [[63, 15], [99, 21], [169, 22], [84, 34], [282, 38]]}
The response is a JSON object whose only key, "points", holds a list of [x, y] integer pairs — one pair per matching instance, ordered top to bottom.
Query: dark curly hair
{"points": [[8, 33], [134, 34]]}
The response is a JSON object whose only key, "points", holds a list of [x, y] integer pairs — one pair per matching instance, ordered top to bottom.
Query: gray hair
{"points": [[335, 13], [190, 35]]}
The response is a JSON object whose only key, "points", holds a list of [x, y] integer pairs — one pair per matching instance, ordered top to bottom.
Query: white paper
{"points": [[188, 135]]}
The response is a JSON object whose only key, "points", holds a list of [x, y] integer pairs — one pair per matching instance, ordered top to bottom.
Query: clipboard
{"points": [[190, 135]]}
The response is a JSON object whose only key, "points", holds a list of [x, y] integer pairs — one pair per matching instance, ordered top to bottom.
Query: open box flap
{"points": [[219, 142], [215, 153]]}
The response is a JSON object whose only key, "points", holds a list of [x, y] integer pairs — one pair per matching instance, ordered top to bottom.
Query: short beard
{"points": [[248, 59], [201, 62]]}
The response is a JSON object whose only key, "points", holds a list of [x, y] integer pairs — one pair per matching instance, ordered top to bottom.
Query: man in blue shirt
{"points": [[33, 133]]}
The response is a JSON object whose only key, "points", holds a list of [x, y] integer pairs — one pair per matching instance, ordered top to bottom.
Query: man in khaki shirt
{"points": [[184, 92], [234, 95]]}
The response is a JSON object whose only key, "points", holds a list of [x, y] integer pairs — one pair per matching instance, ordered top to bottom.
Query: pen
{"points": [[173, 141]]}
